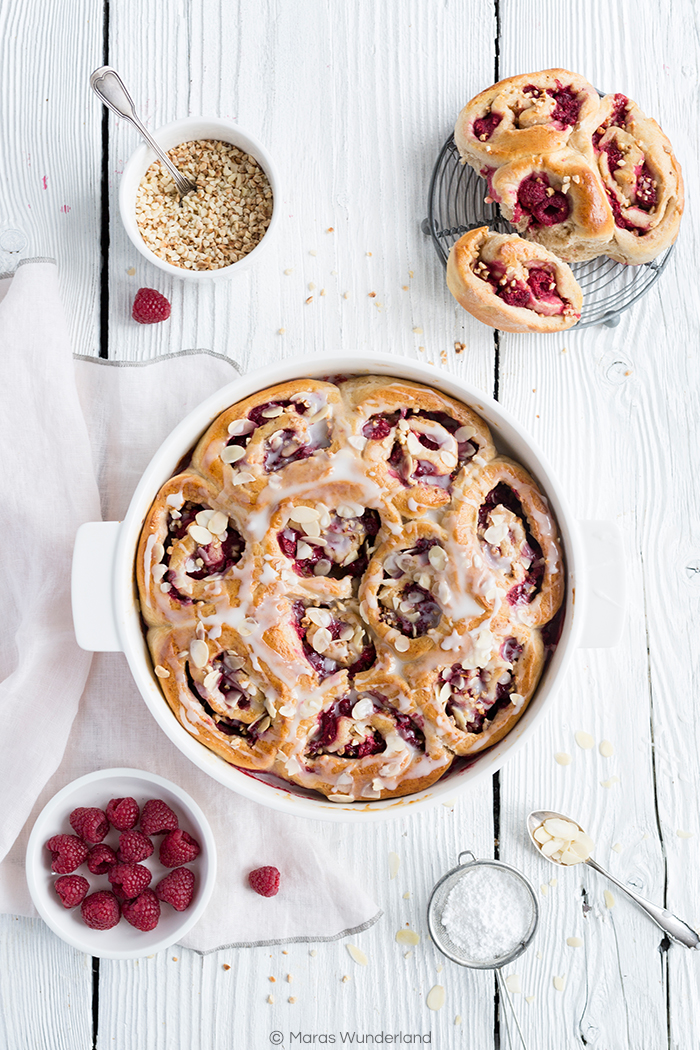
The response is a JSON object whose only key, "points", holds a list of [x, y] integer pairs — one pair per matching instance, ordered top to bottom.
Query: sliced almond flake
{"points": [[272, 412], [240, 426], [464, 433], [357, 441], [232, 453], [243, 477], [302, 514], [203, 517], [218, 523], [312, 528], [200, 535], [303, 551], [437, 558], [322, 567], [158, 572], [321, 617], [322, 638], [402, 644], [199, 652], [161, 672], [211, 680], [287, 710], [584, 740], [606, 749], [562, 758], [610, 782], [341, 798], [684, 834], [617, 847], [394, 865], [553, 881], [544, 889], [407, 895], [609, 899], [407, 936], [574, 942], [357, 954], [408, 955], [559, 982], [513, 983], [529, 998], [435, 1000], [458, 1019]]}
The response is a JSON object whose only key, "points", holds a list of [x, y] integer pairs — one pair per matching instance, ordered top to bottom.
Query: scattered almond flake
{"points": [[312, 251], [131, 271], [288, 271], [334, 273], [312, 286], [322, 292], [346, 295], [310, 299], [281, 331], [418, 331], [232, 453], [303, 514], [200, 535], [401, 644], [199, 652], [162, 672], [584, 740], [606, 749], [562, 758], [609, 782], [450, 802], [684, 834], [617, 847], [394, 864], [553, 881], [544, 889], [407, 895], [609, 899], [407, 936], [574, 942], [313, 952], [357, 954], [407, 955], [538, 955], [225, 966], [346, 978], [513, 983], [559, 983], [436, 997], [529, 998], [270, 999], [458, 1019]]}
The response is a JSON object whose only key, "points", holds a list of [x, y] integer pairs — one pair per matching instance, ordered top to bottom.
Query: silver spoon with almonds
{"points": [[564, 842]]}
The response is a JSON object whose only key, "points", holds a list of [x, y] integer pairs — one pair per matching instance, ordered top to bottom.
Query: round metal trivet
{"points": [[456, 204]]}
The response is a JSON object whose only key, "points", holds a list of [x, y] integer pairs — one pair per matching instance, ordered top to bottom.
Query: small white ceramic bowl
{"points": [[187, 130], [123, 941]]}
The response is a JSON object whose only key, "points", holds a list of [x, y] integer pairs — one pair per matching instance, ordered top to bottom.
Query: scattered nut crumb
{"points": [[330, 229], [313, 251], [368, 253], [131, 271], [287, 272], [334, 273], [410, 273], [312, 286], [404, 287], [322, 292], [346, 295], [372, 295], [310, 299], [281, 331], [418, 331], [460, 347], [422, 350], [564, 350], [443, 357], [584, 740], [606, 749], [609, 782], [450, 802], [617, 847], [394, 865], [553, 881], [544, 889], [407, 895], [609, 899], [574, 942], [284, 952], [313, 952], [407, 955], [174, 958], [226, 967], [289, 978], [346, 978], [272, 979], [559, 983], [270, 998], [529, 998], [291, 999], [435, 999], [458, 1019]]}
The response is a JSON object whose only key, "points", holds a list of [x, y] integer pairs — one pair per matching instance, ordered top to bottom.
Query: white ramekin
{"points": [[186, 130], [106, 614]]}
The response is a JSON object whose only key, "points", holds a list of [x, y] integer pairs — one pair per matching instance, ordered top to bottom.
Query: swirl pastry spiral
{"points": [[580, 175], [358, 614]]}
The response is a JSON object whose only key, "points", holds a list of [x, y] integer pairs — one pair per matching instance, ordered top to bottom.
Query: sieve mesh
{"points": [[456, 204]]}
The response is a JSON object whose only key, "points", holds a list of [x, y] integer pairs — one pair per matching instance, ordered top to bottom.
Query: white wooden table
{"points": [[354, 99]]}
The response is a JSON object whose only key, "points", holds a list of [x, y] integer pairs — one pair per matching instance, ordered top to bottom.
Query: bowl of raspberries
{"points": [[121, 863]]}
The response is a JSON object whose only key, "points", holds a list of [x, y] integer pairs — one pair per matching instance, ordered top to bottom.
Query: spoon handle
{"points": [[110, 88], [676, 929]]}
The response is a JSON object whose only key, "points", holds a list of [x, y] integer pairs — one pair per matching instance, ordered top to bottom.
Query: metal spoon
{"points": [[109, 86], [676, 929]]}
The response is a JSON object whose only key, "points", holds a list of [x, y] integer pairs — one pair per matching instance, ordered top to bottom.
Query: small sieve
{"points": [[445, 944]]}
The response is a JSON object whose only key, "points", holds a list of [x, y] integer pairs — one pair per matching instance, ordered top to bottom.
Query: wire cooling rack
{"points": [[456, 204]]}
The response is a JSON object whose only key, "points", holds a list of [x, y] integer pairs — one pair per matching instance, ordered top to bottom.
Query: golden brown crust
{"points": [[480, 263], [264, 660]]}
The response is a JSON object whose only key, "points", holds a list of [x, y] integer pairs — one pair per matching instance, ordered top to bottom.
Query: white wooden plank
{"points": [[50, 149], [601, 412], [45, 989]]}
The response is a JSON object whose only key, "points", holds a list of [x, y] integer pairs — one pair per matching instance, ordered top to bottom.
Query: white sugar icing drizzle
{"points": [[256, 598]]}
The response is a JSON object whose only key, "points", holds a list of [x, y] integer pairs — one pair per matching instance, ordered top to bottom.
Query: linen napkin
{"points": [[128, 409]]}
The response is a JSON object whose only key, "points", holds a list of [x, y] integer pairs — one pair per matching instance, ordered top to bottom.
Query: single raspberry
{"points": [[150, 307], [123, 813], [157, 817], [91, 824], [134, 846], [178, 848], [67, 853], [101, 858], [133, 878], [265, 881], [177, 888], [71, 889], [100, 910], [144, 912]]}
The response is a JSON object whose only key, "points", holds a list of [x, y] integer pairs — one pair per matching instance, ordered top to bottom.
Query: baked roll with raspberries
{"points": [[581, 175], [511, 284], [358, 615]]}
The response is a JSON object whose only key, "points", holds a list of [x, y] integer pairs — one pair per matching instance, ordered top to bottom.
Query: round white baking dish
{"points": [[106, 616]]}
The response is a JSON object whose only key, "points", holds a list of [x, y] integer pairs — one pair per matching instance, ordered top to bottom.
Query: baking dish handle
{"points": [[605, 573], [92, 587]]}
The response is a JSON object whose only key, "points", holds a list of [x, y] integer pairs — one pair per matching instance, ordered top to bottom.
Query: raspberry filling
{"points": [[568, 105], [617, 118], [484, 127], [546, 209], [284, 446], [405, 460], [343, 549], [529, 555], [208, 560], [406, 601], [333, 639], [229, 685], [474, 696], [360, 738]]}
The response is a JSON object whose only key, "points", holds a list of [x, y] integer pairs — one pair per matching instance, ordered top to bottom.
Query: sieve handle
{"points": [[505, 997]]}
